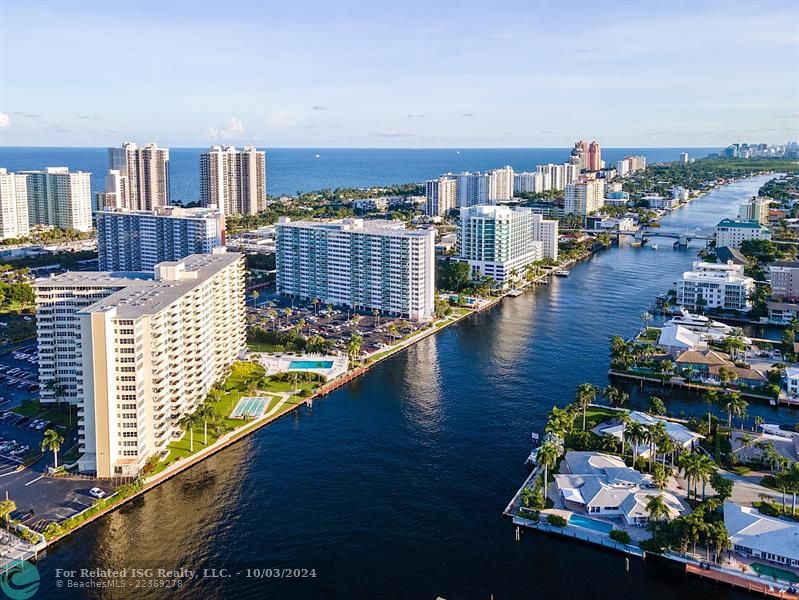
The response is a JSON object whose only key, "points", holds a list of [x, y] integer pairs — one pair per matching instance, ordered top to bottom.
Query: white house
{"points": [[733, 233], [676, 339], [792, 381], [678, 433], [603, 485], [755, 535]]}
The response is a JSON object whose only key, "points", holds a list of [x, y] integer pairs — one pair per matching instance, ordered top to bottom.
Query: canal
{"points": [[393, 487]]}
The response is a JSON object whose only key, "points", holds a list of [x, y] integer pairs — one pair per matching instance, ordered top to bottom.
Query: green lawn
{"points": [[264, 347], [237, 385], [53, 413], [595, 415]]}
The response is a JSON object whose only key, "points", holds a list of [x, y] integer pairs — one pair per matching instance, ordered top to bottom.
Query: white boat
{"points": [[317, 156], [654, 246], [562, 273], [515, 292], [698, 322], [533, 456]]}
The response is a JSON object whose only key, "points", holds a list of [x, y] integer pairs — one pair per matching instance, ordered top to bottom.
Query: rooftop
{"points": [[740, 224], [381, 227], [144, 293], [751, 529]]}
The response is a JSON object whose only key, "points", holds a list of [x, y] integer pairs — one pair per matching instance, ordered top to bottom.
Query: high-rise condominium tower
{"points": [[594, 156], [138, 178], [234, 180], [59, 198], [13, 206], [138, 351]]}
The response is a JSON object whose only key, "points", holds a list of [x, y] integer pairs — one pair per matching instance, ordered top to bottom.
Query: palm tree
{"points": [[255, 295], [376, 315], [392, 330], [354, 347], [586, 394], [711, 398], [734, 404], [206, 412], [188, 422], [625, 422], [636, 433], [52, 440], [547, 456], [689, 467], [706, 469], [660, 476], [791, 478], [6, 508], [657, 508], [720, 538]]}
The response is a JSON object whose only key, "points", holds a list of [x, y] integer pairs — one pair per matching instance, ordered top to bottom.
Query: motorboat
{"points": [[654, 246], [562, 273], [515, 292], [698, 322]]}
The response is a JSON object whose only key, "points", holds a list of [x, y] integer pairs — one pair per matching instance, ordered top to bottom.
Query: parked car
{"points": [[96, 492]]}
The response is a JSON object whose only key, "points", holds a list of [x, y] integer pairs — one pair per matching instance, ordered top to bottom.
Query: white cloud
{"points": [[5, 121], [233, 129]]}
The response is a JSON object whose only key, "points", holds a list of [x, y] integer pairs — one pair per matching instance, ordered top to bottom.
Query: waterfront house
{"points": [[782, 313], [676, 339], [701, 361], [743, 376], [792, 380], [677, 432], [750, 447], [603, 485], [755, 535]]}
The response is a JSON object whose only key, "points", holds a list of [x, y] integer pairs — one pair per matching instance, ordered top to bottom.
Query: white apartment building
{"points": [[683, 158], [558, 176], [234, 180], [142, 181], [527, 182], [500, 184], [472, 189], [116, 194], [441, 195], [584, 196], [59, 197], [370, 204], [13, 206], [755, 209], [546, 232], [733, 233], [139, 240], [497, 242], [364, 264], [784, 279], [715, 285], [137, 351]]}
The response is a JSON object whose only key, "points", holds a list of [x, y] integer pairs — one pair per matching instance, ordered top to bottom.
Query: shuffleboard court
{"points": [[249, 407]]}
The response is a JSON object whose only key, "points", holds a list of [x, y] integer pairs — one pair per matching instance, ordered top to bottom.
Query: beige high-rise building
{"points": [[234, 180], [141, 181], [500, 184], [441, 195], [584, 196], [60, 198], [13, 206], [135, 353]]}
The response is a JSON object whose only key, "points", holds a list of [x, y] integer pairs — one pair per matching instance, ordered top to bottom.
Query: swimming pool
{"points": [[311, 364], [593, 524]]}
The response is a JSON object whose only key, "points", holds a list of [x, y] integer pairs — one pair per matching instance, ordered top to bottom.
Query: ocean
{"points": [[289, 170]]}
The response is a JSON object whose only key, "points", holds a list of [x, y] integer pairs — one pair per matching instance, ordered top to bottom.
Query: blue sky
{"points": [[398, 74]]}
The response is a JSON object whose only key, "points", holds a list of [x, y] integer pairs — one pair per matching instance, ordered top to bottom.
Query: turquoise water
{"points": [[310, 364], [586, 523]]}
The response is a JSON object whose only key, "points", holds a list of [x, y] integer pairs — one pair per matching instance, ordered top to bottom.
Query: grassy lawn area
{"points": [[650, 335], [264, 347], [246, 379], [52, 413], [595, 415], [774, 509], [775, 572]]}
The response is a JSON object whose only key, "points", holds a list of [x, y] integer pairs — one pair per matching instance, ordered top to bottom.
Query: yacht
{"points": [[654, 246], [562, 273], [515, 292], [692, 321]]}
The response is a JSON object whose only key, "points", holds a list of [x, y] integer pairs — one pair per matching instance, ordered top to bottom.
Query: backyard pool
{"points": [[310, 364], [593, 524], [775, 572]]}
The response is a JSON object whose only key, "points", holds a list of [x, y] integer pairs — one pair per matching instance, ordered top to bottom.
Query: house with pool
{"points": [[602, 485], [754, 535]]}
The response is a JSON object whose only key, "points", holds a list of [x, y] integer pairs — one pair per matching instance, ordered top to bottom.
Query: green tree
{"points": [[586, 394], [656, 405], [735, 405], [188, 422], [52, 440], [547, 456], [6, 508], [657, 508]]}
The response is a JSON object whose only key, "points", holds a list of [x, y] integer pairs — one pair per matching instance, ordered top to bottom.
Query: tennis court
{"points": [[249, 407]]}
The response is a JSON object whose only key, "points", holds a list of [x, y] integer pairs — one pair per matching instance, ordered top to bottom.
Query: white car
{"points": [[96, 492]]}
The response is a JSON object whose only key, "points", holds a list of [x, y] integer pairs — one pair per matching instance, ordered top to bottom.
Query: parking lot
{"points": [[335, 324], [18, 374]]}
